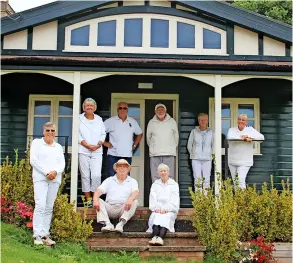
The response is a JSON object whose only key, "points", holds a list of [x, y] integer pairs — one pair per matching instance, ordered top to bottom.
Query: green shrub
{"points": [[17, 186], [241, 215]]}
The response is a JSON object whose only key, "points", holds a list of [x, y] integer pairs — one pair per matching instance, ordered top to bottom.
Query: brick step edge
{"points": [[143, 234], [150, 248]]}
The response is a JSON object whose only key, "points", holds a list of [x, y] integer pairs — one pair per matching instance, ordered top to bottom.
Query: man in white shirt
{"points": [[121, 129], [162, 139], [240, 153], [47, 160], [121, 198]]}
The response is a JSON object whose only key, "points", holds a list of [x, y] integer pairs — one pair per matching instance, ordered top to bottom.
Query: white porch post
{"points": [[218, 130], [75, 131]]}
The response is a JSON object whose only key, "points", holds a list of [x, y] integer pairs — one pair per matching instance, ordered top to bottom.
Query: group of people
{"points": [[47, 160]]}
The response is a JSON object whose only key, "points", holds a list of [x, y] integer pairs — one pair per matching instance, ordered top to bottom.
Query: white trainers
{"points": [[119, 227], [107, 228], [38, 240], [153, 240], [47, 241], [159, 241]]}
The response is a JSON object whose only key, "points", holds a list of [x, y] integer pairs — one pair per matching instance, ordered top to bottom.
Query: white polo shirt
{"points": [[121, 135], [45, 158], [116, 192]]}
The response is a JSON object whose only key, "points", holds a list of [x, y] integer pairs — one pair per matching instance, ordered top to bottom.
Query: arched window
{"points": [[133, 32], [107, 33], [159, 33], [185, 35], [80, 36], [211, 39]]}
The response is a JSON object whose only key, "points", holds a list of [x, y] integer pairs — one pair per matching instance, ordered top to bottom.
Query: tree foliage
{"points": [[279, 10]]}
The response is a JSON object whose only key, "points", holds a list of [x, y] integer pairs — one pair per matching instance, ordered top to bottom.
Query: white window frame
{"points": [[146, 36], [55, 99], [234, 102]]}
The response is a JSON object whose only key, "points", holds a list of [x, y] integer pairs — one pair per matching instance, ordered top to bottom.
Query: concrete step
{"points": [[133, 239]]}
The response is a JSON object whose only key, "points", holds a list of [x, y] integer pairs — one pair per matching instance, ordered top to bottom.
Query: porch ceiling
{"points": [[106, 62]]}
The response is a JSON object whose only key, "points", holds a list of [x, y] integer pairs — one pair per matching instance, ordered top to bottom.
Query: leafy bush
{"points": [[17, 199], [243, 215]]}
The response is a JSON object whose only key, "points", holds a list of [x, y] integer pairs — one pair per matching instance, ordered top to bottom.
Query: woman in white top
{"points": [[91, 138], [201, 147], [240, 153], [47, 160], [164, 204]]}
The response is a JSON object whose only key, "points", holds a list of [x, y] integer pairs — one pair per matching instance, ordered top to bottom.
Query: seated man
{"points": [[121, 193]]}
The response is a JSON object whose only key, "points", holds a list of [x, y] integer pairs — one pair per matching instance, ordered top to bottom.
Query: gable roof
{"points": [[219, 9]]}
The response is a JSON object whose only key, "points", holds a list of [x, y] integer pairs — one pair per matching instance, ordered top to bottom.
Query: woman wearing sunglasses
{"points": [[91, 137], [47, 160]]}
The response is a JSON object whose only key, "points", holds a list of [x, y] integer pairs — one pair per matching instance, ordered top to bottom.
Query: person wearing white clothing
{"points": [[124, 137], [162, 139], [201, 148], [90, 151], [240, 153], [48, 162], [121, 198], [164, 203]]}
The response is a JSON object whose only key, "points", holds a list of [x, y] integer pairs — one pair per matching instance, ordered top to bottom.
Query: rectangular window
{"points": [[133, 32], [107, 33], [159, 33], [185, 35], [80, 36], [211, 39], [57, 109], [231, 109]]}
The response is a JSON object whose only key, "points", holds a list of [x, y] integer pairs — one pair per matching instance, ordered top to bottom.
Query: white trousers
{"points": [[90, 167], [242, 172], [201, 173], [45, 193], [108, 211]]}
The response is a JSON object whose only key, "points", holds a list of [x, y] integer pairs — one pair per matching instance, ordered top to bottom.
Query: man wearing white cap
{"points": [[162, 139], [121, 198]]}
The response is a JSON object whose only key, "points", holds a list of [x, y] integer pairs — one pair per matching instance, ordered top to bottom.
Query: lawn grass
{"points": [[17, 247]]}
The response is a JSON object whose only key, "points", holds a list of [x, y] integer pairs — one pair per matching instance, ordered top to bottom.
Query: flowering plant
{"points": [[18, 213], [257, 250]]}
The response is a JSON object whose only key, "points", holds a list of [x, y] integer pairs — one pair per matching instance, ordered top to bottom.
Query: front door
{"points": [[141, 108]]}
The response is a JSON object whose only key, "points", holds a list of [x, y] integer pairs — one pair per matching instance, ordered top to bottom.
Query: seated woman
{"points": [[164, 204]]}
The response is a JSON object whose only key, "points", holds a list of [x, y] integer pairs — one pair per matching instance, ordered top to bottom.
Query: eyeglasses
{"points": [[122, 108], [242, 119], [48, 130]]}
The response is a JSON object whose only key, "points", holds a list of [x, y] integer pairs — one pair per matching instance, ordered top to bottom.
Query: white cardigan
{"points": [[92, 131], [241, 153]]}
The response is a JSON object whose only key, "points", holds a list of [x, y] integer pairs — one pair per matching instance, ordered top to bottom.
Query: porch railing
{"points": [[226, 146]]}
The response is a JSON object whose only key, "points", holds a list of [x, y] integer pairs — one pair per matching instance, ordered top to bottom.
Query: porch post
{"points": [[218, 130], [75, 131]]}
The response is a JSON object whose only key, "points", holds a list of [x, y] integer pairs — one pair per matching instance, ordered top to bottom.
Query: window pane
{"points": [[133, 32], [107, 33], [159, 33], [185, 35], [80, 36], [211, 39], [42, 108], [65, 108], [247, 109], [226, 111], [134, 112], [250, 123], [38, 125], [226, 125], [65, 129]]}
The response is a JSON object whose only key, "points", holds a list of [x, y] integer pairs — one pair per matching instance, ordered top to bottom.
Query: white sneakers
{"points": [[119, 227], [107, 228], [47, 241], [156, 241]]}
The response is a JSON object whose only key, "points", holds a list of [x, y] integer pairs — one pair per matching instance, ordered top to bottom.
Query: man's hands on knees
{"points": [[97, 204], [128, 204]]}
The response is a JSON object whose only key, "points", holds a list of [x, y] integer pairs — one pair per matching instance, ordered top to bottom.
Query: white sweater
{"points": [[92, 131], [162, 137], [241, 153], [45, 158]]}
